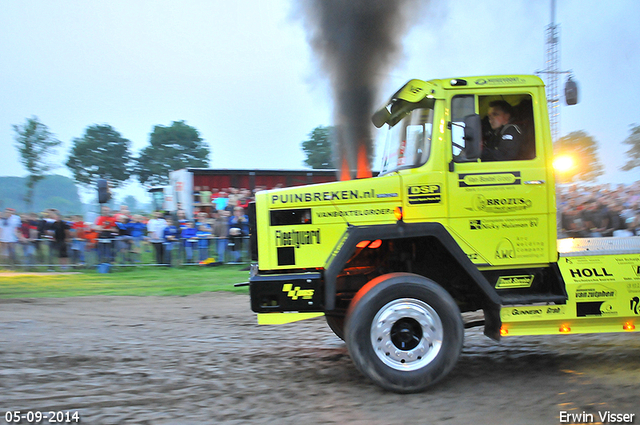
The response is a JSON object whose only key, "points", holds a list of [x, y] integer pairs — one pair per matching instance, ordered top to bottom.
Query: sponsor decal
{"points": [[500, 80], [415, 89], [508, 178], [424, 194], [336, 195], [499, 205], [354, 213], [503, 223], [477, 225], [297, 238], [521, 247], [526, 247], [505, 250], [630, 260], [604, 269], [589, 272], [523, 281], [633, 287], [594, 291], [295, 292], [635, 305], [595, 308], [526, 312], [533, 312]]}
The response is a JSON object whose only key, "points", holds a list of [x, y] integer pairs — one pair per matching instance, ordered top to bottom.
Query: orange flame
{"points": [[364, 170], [345, 172]]}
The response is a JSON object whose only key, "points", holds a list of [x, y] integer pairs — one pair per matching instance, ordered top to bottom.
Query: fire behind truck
{"points": [[393, 261]]}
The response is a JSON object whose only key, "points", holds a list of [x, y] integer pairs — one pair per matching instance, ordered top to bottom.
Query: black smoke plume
{"points": [[357, 43]]}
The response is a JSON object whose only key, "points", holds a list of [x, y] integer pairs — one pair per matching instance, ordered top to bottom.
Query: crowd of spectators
{"points": [[596, 211], [220, 225], [219, 228]]}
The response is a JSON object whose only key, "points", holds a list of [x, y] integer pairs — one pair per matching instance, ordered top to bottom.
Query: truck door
{"points": [[499, 209]]}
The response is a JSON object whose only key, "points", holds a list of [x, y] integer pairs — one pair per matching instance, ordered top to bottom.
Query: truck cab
{"points": [[447, 227]]}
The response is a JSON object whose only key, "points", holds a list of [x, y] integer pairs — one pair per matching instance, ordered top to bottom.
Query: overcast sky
{"points": [[242, 72]]}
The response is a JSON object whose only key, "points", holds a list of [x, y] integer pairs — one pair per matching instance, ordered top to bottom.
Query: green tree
{"points": [[35, 143], [171, 148], [318, 148], [583, 150], [634, 151], [101, 152], [48, 193]]}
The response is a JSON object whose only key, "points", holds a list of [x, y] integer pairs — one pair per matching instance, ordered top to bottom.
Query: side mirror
{"points": [[571, 92], [380, 117], [472, 136]]}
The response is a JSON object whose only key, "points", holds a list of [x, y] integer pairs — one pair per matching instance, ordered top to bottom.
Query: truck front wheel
{"points": [[404, 332]]}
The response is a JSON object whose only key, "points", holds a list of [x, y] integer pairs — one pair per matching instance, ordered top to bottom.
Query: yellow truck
{"points": [[392, 261]]}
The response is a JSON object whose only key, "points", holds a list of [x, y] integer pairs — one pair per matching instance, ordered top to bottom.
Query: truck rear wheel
{"points": [[404, 332]]}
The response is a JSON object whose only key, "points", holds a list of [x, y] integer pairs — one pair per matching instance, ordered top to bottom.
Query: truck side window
{"points": [[461, 106], [523, 118], [519, 128]]}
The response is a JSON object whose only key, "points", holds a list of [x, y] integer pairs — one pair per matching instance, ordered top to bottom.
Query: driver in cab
{"points": [[503, 143]]}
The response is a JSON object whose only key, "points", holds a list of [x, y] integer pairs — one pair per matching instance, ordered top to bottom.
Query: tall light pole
{"points": [[552, 71]]}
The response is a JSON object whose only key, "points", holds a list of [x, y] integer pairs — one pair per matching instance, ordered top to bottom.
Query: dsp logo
{"points": [[424, 189], [424, 194]]}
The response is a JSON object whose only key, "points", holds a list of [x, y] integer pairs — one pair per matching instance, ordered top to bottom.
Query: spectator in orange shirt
{"points": [[107, 229], [79, 241]]}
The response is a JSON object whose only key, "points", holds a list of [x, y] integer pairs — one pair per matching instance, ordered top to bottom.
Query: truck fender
{"points": [[356, 234]]}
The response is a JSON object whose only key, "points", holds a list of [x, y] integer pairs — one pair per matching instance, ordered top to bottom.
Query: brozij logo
{"points": [[500, 205]]}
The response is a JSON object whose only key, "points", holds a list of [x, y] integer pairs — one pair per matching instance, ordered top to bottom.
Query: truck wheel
{"points": [[336, 323], [404, 332]]}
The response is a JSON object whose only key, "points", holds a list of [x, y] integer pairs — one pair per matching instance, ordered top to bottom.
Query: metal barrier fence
{"points": [[124, 251]]}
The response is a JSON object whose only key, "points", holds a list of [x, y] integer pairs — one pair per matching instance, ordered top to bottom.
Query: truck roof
{"points": [[489, 81], [415, 91]]}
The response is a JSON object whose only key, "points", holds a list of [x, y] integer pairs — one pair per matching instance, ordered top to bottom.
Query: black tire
{"points": [[336, 323], [404, 332]]}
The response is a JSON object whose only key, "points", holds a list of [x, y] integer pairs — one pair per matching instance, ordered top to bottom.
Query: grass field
{"points": [[137, 281]]}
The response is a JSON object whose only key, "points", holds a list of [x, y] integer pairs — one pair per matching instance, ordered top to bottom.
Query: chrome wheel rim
{"points": [[406, 334]]}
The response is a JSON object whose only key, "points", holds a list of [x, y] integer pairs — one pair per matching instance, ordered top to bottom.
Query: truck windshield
{"points": [[408, 142]]}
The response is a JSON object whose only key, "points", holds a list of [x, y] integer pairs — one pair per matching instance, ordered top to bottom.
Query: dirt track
{"points": [[202, 360]]}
